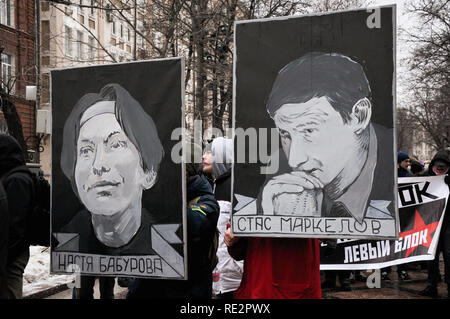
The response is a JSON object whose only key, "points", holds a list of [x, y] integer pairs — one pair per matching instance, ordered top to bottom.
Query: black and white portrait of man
{"points": [[327, 91], [321, 106], [118, 203]]}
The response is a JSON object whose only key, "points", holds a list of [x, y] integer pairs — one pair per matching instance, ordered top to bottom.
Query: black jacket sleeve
{"points": [[20, 192], [202, 217], [4, 234]]}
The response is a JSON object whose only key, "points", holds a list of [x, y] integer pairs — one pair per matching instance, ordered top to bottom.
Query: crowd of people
{"points": [[220, 265]]}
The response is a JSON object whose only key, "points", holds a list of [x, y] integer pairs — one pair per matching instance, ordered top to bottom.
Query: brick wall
{"points": [[19, 41]]}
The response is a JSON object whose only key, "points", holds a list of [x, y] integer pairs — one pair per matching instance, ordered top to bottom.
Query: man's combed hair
{"points": [[337, 77], [135, 122]]}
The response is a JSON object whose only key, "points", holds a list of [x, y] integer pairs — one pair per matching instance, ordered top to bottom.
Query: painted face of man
{"points": [[315, 138], [207, 162], [108, 172]]}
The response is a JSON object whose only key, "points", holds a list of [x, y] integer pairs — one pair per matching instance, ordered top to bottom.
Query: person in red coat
{"points": [[277, 268]]}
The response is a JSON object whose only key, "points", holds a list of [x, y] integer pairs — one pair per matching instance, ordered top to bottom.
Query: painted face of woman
{"points": [[108, 172]]}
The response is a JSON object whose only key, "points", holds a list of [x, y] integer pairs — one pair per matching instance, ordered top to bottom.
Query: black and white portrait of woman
{"points": [[111, 154], [118, 203]]}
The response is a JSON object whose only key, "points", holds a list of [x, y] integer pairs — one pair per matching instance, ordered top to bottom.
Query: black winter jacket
{"points": [[441, 156], [444, 157], [401, 172], [19, 189], [222, 190], [202, 215], [4, 236]]}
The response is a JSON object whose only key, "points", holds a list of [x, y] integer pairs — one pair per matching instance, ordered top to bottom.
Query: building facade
{"points": [[86, 32], [18, 62]]}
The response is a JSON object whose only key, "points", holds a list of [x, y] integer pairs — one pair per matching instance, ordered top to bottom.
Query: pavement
{"points": [[389, 289], [119, 292]]}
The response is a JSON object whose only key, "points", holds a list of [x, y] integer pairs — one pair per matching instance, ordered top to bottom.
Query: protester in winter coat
{"points": [[217, 160], [404, 164], [439, 165], [403, 167], [417, 168], [19, 189], [202, 215], [4, 234], [276, 267], [330, 275]]}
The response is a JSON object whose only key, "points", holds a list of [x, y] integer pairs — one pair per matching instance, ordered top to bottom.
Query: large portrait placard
{"points": [[314, 111], [118, 199]]}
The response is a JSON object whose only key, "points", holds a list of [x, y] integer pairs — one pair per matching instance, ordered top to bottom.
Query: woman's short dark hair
{"points": [[135, 122]]}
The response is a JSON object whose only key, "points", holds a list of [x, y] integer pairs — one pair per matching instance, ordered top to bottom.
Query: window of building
{"points": [[45, 6], [68, 10], [92, 10], [7, 12], [81, 12], [91, 23], [113, 27], [121, 31], [45, 35], [128, 35], [68, 40], [138, 40], [80, 45], [91, 48], [45, 60], [7, 72], [45, 85]]}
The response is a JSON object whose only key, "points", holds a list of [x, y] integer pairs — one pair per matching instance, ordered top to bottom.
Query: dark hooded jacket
{"points": [[441, 156], [444, 157], [401, 172], [20, 193], [202, 215], [4, 234], [444, 237]]}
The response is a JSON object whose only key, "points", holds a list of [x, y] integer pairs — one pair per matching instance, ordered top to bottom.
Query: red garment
{"points": [[280, 268]]}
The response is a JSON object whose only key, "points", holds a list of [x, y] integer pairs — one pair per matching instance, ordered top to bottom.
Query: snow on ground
{"points": [[37, 273]]}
